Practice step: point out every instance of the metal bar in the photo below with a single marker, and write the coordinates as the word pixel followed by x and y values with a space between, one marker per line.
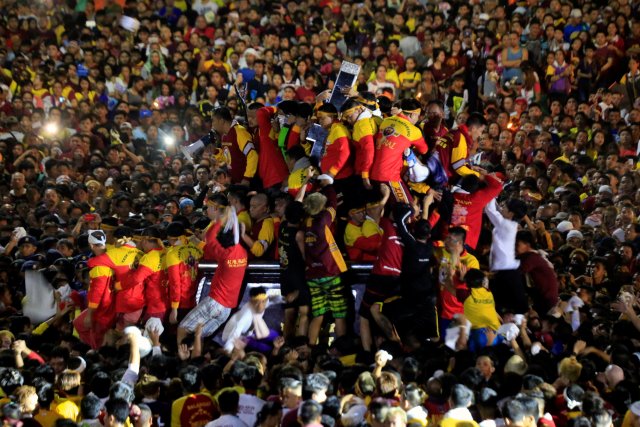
pixel 274 266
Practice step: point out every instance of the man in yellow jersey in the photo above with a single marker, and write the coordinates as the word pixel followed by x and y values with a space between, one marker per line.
pixel 361 119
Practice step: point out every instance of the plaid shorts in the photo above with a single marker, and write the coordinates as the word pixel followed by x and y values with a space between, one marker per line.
pixel 210 313
pixel 327 294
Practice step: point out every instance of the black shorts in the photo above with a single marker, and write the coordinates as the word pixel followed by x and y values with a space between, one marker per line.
pixel 290 283
pixel 378 290
pixel 420 321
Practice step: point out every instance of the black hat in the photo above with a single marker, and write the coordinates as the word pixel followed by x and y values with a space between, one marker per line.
pixel 109 223
pixel 152 233
pixel 175 229
pixel 52 256
pixel 123 231
pixel 288 107
pixel 27 240
pixel 201 223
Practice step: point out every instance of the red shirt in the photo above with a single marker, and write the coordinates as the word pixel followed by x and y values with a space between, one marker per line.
pixel 395 135
pixel 336 159
pixel 322 255
pixel 271 166
pixel 152 275
pixel 100 294
pixel 227 281
pixel 182 270
pixel 468 208
pixel 239 153
pixel 543 277
pixel 389 262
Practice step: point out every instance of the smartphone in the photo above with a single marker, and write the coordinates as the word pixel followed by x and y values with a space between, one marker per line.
pixel 89 217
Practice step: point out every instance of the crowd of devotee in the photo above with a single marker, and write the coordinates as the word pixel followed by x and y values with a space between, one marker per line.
pixel 448 193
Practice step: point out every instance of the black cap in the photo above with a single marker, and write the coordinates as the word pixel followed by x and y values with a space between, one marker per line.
pixel 123 231
pixel 52 256
pixel 27 240
pixel 152 233
pixel 288 107
pixel 201 223
pixel 109 222
pixel 175 229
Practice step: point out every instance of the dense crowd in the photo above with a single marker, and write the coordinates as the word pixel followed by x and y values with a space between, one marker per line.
pixel 484 165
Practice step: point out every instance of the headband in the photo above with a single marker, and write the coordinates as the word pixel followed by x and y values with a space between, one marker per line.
pixel 355 210
pixel 366 102
pixel 259 297
pixel 210 202
pixel 350 110
pixel 97 237
pixel 416 111
pixel 107 227
pixel 325 114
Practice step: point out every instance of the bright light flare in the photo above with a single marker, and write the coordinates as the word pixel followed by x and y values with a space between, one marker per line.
pixel 51 128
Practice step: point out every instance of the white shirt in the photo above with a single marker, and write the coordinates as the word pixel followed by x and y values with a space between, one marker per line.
pixel 503 249
pixel 248 408
pixel 227 421
pixel 239 324
pixel 461 414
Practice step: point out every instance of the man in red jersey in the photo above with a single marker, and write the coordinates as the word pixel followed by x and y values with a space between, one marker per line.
pixel 93 323
pixel 396 134
pixel 181 263
pixel 151 274
pixel 237 146
pixel 225 249
pixel 453 149
pixel 364 129
pixel 272 168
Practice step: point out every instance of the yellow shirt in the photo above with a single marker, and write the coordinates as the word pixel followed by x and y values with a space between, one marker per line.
pixel 392 76
pixel 409 76
pixel 245 218
pixel 46 418
pixel 480 309
pixel 65 408
pixel 370 228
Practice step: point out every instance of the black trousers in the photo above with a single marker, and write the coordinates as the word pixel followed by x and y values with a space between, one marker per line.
pixel 509 291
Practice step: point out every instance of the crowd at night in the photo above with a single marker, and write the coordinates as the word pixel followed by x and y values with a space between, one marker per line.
pixel 451 191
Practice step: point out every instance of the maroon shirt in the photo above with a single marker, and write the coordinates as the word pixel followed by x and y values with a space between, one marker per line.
pixel 543 278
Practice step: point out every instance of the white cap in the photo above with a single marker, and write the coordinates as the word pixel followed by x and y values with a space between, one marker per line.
pixel 576 13
pixel 605 189
pixel 97 237
pixel 251 51
pixel 574 233
pixel 484 17
pixel 354 416
pixel 558 190
pixel 144 345
pixel 153 324
pixel 564 226
pixel 635 408
pixel 63 179
pixel 618 234
pixel 325 177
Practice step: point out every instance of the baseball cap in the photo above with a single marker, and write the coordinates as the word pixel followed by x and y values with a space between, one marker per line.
pixel 186 202
pixel 564 226
pixel 27 240
pixel 574 233
pixel 605 189
pixel 175 229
